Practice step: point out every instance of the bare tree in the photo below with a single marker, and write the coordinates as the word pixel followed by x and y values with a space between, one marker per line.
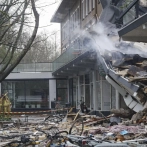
pixel 15 16
pixel 44 49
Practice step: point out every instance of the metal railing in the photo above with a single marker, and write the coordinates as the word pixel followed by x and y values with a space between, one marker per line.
pixel 130 12
pixel 33 67
pixel 66 57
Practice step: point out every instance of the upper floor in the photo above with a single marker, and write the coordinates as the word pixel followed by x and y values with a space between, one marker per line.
pixel 76 16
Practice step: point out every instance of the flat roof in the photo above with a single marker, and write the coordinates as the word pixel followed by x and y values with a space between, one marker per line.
pixel 63 10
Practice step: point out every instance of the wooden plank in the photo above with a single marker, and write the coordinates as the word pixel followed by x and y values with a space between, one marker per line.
pixel 4 143
pixel 131 79
pixel 76 115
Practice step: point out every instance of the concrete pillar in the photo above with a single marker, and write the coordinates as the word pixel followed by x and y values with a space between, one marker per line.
pixel 52 91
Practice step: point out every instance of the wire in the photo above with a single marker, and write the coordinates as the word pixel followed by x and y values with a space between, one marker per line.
pixel 47 5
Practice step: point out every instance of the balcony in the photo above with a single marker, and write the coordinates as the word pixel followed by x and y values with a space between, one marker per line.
pixel 66 57
pixel 72 61
pixel 33 67
pixel 135 31
pixel 134 23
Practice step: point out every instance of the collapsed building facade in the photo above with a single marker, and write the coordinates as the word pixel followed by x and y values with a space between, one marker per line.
pixel 103 70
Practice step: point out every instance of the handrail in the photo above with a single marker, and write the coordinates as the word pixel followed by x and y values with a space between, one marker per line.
pixel 126 10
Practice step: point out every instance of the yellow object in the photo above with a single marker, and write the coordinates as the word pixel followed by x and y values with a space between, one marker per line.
pixel 5 106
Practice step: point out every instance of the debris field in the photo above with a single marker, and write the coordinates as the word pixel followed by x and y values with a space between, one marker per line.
pixel 121 128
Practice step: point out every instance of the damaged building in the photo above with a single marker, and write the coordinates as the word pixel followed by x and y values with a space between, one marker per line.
pixel 101 68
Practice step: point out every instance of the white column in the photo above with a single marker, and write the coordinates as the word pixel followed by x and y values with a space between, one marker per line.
pixel 52 91
pixel 117 100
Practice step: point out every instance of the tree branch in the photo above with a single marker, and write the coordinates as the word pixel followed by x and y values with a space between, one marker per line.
pixel 27 47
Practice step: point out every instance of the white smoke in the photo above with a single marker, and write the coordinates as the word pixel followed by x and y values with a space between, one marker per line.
pixel 105 37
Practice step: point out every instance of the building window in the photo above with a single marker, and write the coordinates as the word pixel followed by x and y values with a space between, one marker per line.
pixel 90 6
pixel 87 90
pixel 65 30
pixel 81 79
pixel 93 4
pixel 83 9
pixel 78 15
pixel 113 98
pixel 74 20
pixel 71 23
pixel 98 89
pixel 97 75
pixel 87 79
pixel 62 94
pixel 27 94
pixel 106 95
pixel 61 83
pixel 86 7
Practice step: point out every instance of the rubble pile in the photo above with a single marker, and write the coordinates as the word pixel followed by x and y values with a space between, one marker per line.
pixel 133 67
pixel 75 129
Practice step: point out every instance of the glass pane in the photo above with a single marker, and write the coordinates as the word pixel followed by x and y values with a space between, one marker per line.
pixel 87 79
pixel 62 95
pixel 37 94
pixel 74 82
pixel 131 14
pixel 19 84
pixel 71 90
pixel 82 90
pixel 97 76
pixel 91 76
pixel 37 84
pixel 98 89
pixel 74 97
pixel 81 79
pixel 27 94
pixel 4 85
pixel 91 97
pixel 106 95
pixel 15 90
pixel 87 95
pixel 19 97
pixel 113 98
pixel 61 83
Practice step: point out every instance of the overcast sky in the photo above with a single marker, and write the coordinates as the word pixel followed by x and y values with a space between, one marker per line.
pixel 46 9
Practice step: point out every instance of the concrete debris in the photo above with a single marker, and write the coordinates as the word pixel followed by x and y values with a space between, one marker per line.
pixel 132 67
pixel 78 129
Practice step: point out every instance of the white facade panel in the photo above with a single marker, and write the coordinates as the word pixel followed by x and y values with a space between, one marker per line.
pixel 52 91
pixel 30 75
